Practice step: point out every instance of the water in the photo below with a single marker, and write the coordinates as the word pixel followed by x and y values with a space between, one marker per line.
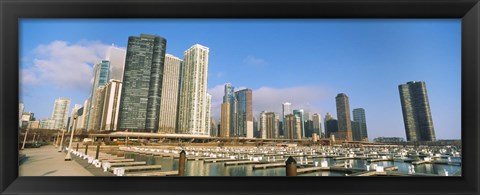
pixel 199 168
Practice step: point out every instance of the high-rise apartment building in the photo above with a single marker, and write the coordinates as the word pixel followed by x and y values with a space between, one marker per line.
pixel 328 117
pixel 263 125
pixel 96 111
pixel 301 115
pixel 170 94
pixel 111 105
pixel 416 111
pixel 60 113
pixel 292 127
pixel 272 120
pixel 142 83
pixel 193 96
pixel 343 117
pixel 244 113
pixel 360 124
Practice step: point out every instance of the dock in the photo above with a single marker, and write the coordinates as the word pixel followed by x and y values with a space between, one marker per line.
pixel 165 173
pixel 270 165
pixel 141 168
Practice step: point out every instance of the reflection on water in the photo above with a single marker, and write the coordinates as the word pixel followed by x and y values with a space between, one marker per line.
pixel 199 168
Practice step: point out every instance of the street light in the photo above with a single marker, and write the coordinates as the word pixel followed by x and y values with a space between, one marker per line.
pixel 68 157
pixel 61 141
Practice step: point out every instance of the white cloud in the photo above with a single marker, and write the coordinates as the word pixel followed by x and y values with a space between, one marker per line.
pixel 271 99
pixel 255 61
pixel 64 65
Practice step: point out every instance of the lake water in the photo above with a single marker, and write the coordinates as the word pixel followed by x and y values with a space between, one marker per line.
pixel 199 168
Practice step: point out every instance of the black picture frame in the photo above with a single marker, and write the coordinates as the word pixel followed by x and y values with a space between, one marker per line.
pixel 12 10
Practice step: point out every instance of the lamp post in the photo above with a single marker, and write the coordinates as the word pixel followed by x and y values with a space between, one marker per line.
pixel 24 139
pixel 56 140
pixel 68 157
pixel 61 141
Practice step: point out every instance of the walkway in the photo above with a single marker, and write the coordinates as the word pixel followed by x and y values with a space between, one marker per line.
pixel 47 161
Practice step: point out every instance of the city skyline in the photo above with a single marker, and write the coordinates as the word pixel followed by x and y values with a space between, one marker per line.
pixel 318 94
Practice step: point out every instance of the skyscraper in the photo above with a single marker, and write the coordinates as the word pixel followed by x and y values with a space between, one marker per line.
pixel 71 125
pixel 317 123
pixel 263 125
pixel 360 120
pixel 111 106
pixel 170 94
pixel 343 117
pixel 60 113
pixel 116 56
pixel 208 111
pixel 101 76
pixel 271 124
pixel 225 120
pixel 292 127
pixel 286 110
pixel 193 96
pixel 301 115
pixel 142 83
pixel 229 97
pixel 416 111
pixel 244 113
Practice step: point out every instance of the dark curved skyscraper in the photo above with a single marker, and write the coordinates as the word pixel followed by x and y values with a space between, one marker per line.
pixel 416 111
pixel 142 83
pixel 343 117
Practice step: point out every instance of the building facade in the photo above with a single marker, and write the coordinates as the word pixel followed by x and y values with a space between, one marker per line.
pixel 193 96
pixel 301 115
pixel 286 110
pixel 142 84
pixel 272 124
pixel 292 127
pixel 263 125
pixel 244 113
pixel 111 105
pixel 116 57
pixel 60 113
pixel 101 75
pixel 343 117
pixel 170 94
pixel 416 111
pixel 317 123
pixel 360 124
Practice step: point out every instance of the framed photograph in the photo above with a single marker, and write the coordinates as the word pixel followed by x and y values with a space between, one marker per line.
pixel 248 97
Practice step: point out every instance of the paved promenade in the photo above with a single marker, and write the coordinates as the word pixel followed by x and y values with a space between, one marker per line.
pixel 47 161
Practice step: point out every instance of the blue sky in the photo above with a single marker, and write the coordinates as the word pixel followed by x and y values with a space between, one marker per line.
pixel 306 62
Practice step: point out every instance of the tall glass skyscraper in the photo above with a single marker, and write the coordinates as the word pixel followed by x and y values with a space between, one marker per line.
pixel 193 96
pixel 300 114
pixel 360 123
pixel 142 83
pixel 244 115
pixel 343 117
pixel 416 111
pixel 101 75
pixel 230 99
